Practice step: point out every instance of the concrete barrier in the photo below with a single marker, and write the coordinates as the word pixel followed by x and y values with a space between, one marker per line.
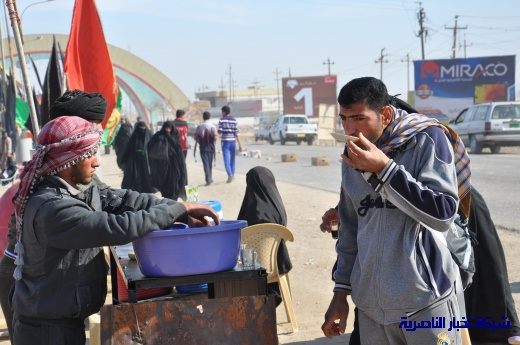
pixel 289 157
pixel 320 161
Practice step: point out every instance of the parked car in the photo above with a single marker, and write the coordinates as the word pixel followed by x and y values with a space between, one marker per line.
pixel 490 125
pixel 293 128
pixel 262 124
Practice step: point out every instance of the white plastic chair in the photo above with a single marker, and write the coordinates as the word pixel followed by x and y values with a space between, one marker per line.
pixel 265 239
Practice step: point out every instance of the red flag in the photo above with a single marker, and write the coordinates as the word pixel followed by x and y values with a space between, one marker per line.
pixel 87 62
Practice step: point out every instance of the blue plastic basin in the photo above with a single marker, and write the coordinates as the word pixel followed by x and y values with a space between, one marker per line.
pixel 183 251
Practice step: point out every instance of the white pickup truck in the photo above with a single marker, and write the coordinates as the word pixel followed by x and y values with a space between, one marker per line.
pixel 291 127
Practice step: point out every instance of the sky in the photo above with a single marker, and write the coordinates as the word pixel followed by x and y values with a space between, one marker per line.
pixel 194 42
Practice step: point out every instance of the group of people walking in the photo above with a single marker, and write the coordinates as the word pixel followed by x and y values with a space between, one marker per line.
pixel 152 162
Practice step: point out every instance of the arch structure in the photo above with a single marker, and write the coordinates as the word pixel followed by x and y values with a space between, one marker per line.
pixel 152 93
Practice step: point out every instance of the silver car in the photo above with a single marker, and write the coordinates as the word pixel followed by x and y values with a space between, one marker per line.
pixel 490 125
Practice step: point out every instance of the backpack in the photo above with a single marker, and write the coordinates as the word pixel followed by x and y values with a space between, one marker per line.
pixel 460 240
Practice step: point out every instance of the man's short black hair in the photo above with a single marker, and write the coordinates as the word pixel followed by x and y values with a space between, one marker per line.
pixel 179 113
pixel 226 109
pixel 367 90
pixel 206 115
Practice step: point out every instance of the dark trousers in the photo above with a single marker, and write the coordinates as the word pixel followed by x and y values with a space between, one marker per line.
pixel 6 284
pixel 40 332
pixel 207 162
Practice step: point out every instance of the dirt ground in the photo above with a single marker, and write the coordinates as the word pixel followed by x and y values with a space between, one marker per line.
pixel 312 251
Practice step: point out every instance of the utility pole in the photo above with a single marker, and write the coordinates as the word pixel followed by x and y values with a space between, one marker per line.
pixel 277 74
pixel 290 72
pixel 380 61
pixel 328 63
pixel 455 28
pixel 255 88
pixel 407 60
pixel 423 32
pixel 465 45
pixel 230 74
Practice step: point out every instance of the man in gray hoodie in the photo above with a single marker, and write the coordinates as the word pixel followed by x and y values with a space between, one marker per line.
pixel 401 193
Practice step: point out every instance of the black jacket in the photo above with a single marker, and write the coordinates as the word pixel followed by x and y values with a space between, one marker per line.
pixel 64 274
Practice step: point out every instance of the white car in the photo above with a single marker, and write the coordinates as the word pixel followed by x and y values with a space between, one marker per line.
pixel 291 127
pixel 490 125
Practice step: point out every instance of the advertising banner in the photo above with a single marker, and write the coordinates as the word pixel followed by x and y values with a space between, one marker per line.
pixel 450 85
pixel 303 95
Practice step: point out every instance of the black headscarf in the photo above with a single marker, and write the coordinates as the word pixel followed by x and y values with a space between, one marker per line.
pixel 89 106
pixel 167 163
pixel 136 166
pixel 263 204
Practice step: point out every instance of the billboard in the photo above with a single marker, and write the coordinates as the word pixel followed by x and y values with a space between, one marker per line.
pixel 450 85
pixel 303 95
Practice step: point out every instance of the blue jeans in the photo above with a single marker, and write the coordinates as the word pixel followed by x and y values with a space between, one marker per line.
pixel 228 151
pixel 207 161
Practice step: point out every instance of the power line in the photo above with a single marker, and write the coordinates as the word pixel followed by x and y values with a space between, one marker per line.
pixel 455 28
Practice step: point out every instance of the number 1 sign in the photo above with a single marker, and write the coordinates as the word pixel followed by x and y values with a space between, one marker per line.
pixel 303 95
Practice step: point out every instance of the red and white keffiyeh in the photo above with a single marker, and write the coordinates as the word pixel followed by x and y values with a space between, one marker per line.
pixel 63 142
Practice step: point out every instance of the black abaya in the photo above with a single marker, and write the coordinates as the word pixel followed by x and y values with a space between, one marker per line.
pixel 121 142
pixel 263 204
pixel 167 163
pixel 490 294
pixel 136 167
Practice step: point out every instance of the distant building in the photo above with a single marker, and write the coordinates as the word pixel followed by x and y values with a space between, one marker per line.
pixel 245 102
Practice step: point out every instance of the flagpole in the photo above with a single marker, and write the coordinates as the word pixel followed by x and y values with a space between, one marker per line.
pixel 21 55
pixel 4 74
pixel 10 46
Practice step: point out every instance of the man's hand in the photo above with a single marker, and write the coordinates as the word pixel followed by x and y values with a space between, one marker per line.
pixel 197 212
pixel 328 216
pixel 370 159
pixel 338 310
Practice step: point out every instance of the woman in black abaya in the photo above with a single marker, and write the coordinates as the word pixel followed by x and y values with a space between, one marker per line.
pixel 136 168
pixel 263 204
pixel 167 163
pixel 121 141
pixel 489 295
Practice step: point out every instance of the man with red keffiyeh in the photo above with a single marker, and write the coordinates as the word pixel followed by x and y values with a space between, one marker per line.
pixel 62 221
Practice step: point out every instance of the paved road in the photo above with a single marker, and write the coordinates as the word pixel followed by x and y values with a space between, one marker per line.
pixel 497 177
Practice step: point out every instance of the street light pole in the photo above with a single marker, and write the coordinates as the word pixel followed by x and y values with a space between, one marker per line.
pixel 30 5
pixel 21 55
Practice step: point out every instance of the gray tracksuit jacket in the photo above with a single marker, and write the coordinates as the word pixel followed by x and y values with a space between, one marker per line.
pixel 392 253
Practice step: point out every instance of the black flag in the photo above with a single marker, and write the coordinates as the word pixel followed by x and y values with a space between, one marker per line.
pixel 52 84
